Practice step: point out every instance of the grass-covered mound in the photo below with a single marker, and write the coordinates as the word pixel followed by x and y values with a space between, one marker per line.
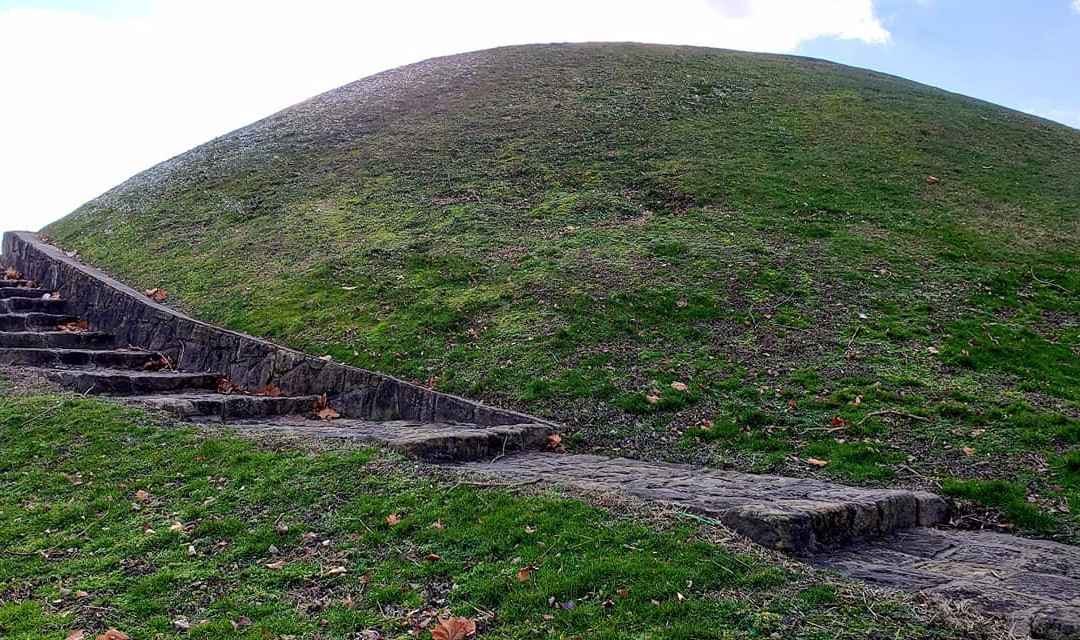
pixel 188 536
pixel 571 229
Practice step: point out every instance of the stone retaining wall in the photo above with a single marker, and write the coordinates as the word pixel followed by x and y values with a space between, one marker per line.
pixel 112 307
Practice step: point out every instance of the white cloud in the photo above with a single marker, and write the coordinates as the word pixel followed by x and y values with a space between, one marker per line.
pixel 89 101
pixel 1076 6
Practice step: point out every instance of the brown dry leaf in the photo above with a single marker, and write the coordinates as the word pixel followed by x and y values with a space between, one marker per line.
pixel 158 364
pixel 453 629
pixel 978 432
pixel 932 180
pixel 81 594
pixel 336 571
pixel 932 351
pixel 280 564
pixel 816 462
pixel 438 525
pixel 159 295
pixel 113 634
pixel 837 421
pixel 529 530
pixel 79 326
pixel 622 592
pixel 679 386
pixel 555 443
pixel 969 451
pixel 432 557
pixel 225 386
pixel 142 496
pixel 652 399
pixel 269 390
pixel 327 414
pixel 282 527
pixel 523 574
pixel 393 519
pixel 12 274
pixel 76 634
pixel 191 550
pixel 176 526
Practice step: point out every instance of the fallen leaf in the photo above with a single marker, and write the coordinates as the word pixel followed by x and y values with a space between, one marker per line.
pixel 269 390
pixel 932 180
pixel 12 274
pixel 523 574
pixel 969 451
pixel 453 629
pixel 243 621
pixel 393 519
pixel 529 530
pixel 622 592
pixel 838 421
pixel 327 414
pixel 555 443
pixel 280 564
pixel 678 386
pixel 652 399
pixel 79 326
pixel 76 634
pixel 176 526
pixel 142 496
pixel 158 295
pixel 336 571
pixel 432 557
pixel 181 624
pixel 81 594
pixel 438 525
pixel 191 550
pixel 932 351
pixel 113 634
pixel 978 432
pixel 282 527
pixel 816 462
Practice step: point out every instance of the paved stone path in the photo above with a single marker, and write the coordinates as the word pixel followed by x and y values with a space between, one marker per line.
pixel 879 536
pixel 1033 586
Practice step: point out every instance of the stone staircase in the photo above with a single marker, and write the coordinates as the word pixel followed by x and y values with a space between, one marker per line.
pixel 38 331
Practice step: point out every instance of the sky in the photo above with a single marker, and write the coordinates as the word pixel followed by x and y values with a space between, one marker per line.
pixel 94 91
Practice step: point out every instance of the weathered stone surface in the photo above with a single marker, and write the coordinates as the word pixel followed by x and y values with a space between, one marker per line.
pixel 21 292
pixel 25 304
pixel 55 340
pixel 51 357
pixel 790 514
pixel 15 284
pixel 435 442
pixel 121 382
pixel 1032 585
pixel 207 405
pixel 112 307
pixel 33 321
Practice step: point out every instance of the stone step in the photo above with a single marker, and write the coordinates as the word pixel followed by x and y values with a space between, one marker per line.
pixel 12 292
pixel 40 305
pixel 31 321
pixel 11 284
pixel 211 405
pixel 75 358
pixel 55 340
pixel 434 442
pixel 796 515
pixel 121 382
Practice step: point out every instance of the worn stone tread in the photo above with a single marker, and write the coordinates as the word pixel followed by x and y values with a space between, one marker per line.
pixel 33 320
pixel 49 357
pixel 124 382
pixel 790 514
pixel 12 284
pixel 27 303
pixel 55 340
pixel 426 441
pixel 210 405
pixel 22 292
pixel 1032 585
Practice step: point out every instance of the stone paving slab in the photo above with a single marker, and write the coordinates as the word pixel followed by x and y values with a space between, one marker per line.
pixel 128 382
pixel 1032 585
pixel 205 405
pixel 790 514
pixel 436 442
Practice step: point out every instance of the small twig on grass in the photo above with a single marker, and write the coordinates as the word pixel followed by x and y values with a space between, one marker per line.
pixel 893 412
pixel 852 341
pixel 711 523
pixel 1047 282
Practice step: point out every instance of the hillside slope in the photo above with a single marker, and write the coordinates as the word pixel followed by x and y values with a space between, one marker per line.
pixel 570 229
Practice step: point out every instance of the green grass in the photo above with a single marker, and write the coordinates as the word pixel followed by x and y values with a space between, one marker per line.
pixel 567 230
pixel 81 547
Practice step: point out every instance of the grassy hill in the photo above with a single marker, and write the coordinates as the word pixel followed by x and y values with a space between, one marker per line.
pixel 572 229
